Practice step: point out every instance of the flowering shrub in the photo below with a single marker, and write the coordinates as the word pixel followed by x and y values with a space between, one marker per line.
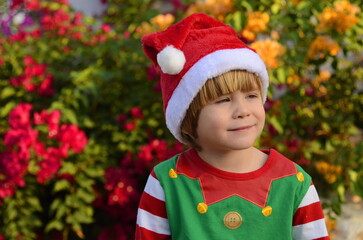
pixel 81 117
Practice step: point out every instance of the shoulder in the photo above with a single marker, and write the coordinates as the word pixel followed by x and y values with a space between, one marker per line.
pixel 280 161
pixel 166 165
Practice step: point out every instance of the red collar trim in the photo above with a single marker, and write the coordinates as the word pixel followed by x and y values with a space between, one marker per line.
pixel 217 185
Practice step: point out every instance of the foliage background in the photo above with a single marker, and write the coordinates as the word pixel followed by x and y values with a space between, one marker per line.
pixel 81 121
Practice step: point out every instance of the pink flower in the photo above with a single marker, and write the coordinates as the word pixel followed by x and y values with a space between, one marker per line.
pixel 6 189
pixel 52 119
pixel 15 4
pixel 136 112
pixel 45 87
pixel 29 61
pixel 23 139
pixel 70 135
pixel 19 37
pixel 23 80
pixel 152 73
pixel 106 28
pixel 37 70
pixel 121 118
pixel 20 116
pixel 40 149
pixel 49 166
pixel 145 153
pixel 121 186
pixel 129 126
pixel 12 169
pixel 32 5
pixel 40 118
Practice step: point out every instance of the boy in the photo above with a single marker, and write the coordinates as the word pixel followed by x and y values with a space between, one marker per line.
pixel 213 89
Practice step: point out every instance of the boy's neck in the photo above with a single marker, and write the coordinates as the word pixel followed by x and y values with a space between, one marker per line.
pixel 238 161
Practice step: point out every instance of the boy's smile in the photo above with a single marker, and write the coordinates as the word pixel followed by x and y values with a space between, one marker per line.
pixel 231 122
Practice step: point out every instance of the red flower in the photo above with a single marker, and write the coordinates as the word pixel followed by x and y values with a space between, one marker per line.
pixel 20 116
pixel 45 87
pixel 36 70
pixel 49 166
pixel 106 28
pixel 1 61
pixel 121 186
pixel 130 126
pixel 32 5
pixel 116 232
pixel 121 118
pixel 19 37
pixel 71 136
pixel 53 120
pixel 29 61
pixel 145 154
pixel 15 4
pixel 136 112
pixel 12 170
pixel 23 139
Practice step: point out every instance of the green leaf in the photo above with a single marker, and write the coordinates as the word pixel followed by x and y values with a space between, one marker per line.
pixel 4 111
pixel 54 224
pixel 69 168
pixel 341 192
pixel 353 175
pixel 7 92
pixel 70 115
pixel 276 124
pixel 86 196
pixel 61 185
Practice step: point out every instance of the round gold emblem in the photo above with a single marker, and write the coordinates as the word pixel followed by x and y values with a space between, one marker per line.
pixel 300 176
pixel 172 173
pixel 202 208
pixel 232 220
pixel 267 211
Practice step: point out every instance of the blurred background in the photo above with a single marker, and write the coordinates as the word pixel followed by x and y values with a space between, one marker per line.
pixel 81 118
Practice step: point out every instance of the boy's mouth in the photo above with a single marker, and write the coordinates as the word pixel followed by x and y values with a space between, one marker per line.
pixel 241 128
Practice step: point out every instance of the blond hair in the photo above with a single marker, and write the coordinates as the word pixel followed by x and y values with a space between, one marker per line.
pixel 215 87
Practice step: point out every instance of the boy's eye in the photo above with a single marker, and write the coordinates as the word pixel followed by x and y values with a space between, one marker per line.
pixel 222 100
pixel 252 95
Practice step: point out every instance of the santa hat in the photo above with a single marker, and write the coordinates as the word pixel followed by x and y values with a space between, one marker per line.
pixel 189 53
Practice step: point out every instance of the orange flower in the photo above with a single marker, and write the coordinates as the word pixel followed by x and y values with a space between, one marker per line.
pixel 215 8
pixel 341 17
pixel 329 171
pixel 158 23
pixel 269 50
pixel 321 45
pixel 256 22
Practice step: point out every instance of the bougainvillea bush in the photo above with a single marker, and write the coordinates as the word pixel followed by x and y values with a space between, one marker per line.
pixel 81 120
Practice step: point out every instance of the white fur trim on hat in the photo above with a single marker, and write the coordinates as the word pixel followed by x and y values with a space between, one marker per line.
pixel 171 60
pixel 210 66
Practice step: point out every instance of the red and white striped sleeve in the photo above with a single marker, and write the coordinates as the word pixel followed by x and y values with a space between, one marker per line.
pixel 309 222
pixel 152 222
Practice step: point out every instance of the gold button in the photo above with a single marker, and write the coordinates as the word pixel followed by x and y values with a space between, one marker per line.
pixel 172 173
pixel 232 220
pixel 202 208
pixel 300 176
pixel 267 211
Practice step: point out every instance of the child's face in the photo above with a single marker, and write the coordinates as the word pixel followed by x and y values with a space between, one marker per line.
pixel 231 122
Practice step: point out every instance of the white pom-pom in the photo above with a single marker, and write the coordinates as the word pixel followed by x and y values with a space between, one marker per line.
pixel 171 60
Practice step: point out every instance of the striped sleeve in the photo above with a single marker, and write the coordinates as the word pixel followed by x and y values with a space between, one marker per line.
pixel 152 222
pixel 309 222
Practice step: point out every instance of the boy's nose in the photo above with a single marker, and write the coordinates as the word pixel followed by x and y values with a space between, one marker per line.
pixel 241 109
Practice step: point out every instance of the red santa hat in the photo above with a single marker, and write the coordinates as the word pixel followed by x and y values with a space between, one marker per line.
pixel 189 53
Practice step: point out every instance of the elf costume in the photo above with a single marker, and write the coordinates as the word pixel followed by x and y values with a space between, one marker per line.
pixel 185 197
